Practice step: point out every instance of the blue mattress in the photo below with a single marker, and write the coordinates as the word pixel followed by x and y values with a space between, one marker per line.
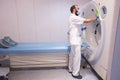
pixel 39 47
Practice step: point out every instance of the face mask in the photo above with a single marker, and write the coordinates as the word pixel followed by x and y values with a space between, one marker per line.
pixel 78 12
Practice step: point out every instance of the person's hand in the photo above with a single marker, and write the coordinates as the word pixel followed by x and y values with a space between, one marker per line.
pixel 97 17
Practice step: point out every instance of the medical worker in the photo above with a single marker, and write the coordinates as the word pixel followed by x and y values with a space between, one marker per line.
pixel 75 23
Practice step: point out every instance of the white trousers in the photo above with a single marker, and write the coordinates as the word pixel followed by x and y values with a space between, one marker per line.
pixel 75 59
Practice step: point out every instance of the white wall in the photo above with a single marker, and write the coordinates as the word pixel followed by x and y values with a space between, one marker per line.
pixel 35 20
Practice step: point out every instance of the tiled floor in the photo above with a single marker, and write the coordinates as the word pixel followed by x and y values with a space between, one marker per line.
pixel 49 74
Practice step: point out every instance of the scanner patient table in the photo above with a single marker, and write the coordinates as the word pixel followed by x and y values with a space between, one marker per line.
pixel 39 54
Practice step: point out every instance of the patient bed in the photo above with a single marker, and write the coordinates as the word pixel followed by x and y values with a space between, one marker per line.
pixel 40 54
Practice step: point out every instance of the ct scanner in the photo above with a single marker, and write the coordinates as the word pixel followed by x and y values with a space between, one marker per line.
pixel 95 31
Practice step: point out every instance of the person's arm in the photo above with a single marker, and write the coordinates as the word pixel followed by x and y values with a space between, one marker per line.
pixel 89 20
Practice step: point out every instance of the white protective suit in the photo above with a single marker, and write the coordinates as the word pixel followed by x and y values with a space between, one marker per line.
pixel 75 24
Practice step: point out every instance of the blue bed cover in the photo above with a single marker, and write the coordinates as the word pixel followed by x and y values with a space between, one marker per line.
pixel 38 47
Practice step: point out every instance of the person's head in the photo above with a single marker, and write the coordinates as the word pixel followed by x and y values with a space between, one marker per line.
pixel 75 9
